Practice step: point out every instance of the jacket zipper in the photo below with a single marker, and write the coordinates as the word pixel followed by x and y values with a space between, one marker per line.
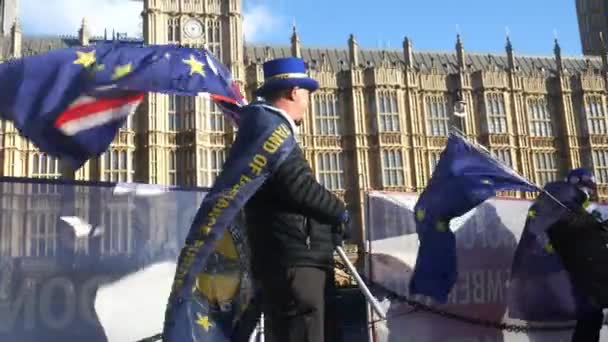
pixel 306 232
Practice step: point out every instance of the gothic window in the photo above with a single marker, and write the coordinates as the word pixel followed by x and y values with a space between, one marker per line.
pixel 210 165
pixel 217 161
pixel 172 168
pixel 115 237
pixel 595 113
pixel 203 166
pixel 42 234
pixel 325 111
pixel 503 155
pixel 496 113
pixel 152 103
pixel 173 120
pixel 45 166
pixel 539 117
pixel 216 118
pixel 434 160
pixel 388 111
pixel 153 166
pixel 173 28
pixel 190 168
pixel 545 166
pixel 116 167
pixel 330 171
pixel 600 165
pixel 187 112
pixel 437 115
pixel 214 37
pixel 392 167
pixel 6 230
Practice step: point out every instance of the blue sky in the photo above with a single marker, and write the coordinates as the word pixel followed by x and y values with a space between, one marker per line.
pixel 431 24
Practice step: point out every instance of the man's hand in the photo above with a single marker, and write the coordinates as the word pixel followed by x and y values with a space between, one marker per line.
pixel 340 232
pixel 597 215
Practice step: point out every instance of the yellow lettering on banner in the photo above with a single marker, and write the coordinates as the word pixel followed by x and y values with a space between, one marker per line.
pixel 216 211
pixel 258 163
pixel 222 203
pixel 276 139
pixel 272 144
pixel 188 259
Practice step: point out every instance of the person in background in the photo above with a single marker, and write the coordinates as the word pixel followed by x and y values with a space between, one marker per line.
pixel 574 237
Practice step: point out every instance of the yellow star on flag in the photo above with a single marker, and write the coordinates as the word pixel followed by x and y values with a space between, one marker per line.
pixel 122 70
pixel 205 230
pixel 203 321
pixel 532 213
pixel 85 59
pixel 486 181
pixel 420 214
pixel 441 226
pixel 196 66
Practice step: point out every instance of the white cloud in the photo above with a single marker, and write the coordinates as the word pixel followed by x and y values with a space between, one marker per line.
pixel 259 21
pixel 53 17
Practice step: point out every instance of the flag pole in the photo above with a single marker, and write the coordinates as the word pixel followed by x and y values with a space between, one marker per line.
pixel 362 286
pixel 475 144
pixel 460 112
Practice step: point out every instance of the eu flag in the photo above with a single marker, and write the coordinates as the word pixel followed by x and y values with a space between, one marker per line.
pixel 71 102
pixel 464 177
pixel 540 288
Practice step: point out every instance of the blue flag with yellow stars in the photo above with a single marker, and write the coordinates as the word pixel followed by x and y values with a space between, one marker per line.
pixel 204 279
pixel 540 289
pixel 71 102
pixel 464 177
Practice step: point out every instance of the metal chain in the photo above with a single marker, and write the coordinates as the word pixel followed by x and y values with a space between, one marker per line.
pixel 417 306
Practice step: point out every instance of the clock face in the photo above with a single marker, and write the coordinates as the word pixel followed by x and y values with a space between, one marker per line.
pixel 193 28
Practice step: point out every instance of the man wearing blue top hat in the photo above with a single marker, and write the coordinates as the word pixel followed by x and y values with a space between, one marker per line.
pixel 293 222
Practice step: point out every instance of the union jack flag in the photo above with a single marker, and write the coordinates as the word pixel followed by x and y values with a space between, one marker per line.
pixel 88 112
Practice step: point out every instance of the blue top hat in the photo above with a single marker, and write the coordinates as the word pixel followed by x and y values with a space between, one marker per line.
pixel 581 177
pixel 282 73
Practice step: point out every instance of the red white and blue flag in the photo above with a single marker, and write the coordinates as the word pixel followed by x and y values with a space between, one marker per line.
pixel 71 102
pixel 88 112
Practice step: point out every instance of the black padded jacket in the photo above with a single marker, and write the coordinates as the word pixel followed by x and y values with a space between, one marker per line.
pixel 289 219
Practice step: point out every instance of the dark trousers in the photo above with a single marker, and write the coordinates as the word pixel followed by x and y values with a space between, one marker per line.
pixel 588 327
pixel 293 302
pixel 248 321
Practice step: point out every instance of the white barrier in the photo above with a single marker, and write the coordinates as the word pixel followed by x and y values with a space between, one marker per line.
pixel 486 239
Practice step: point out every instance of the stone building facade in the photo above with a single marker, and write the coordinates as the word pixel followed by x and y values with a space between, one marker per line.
pixel 379 121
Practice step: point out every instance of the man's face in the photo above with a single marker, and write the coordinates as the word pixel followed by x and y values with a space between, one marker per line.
pixel 300 98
